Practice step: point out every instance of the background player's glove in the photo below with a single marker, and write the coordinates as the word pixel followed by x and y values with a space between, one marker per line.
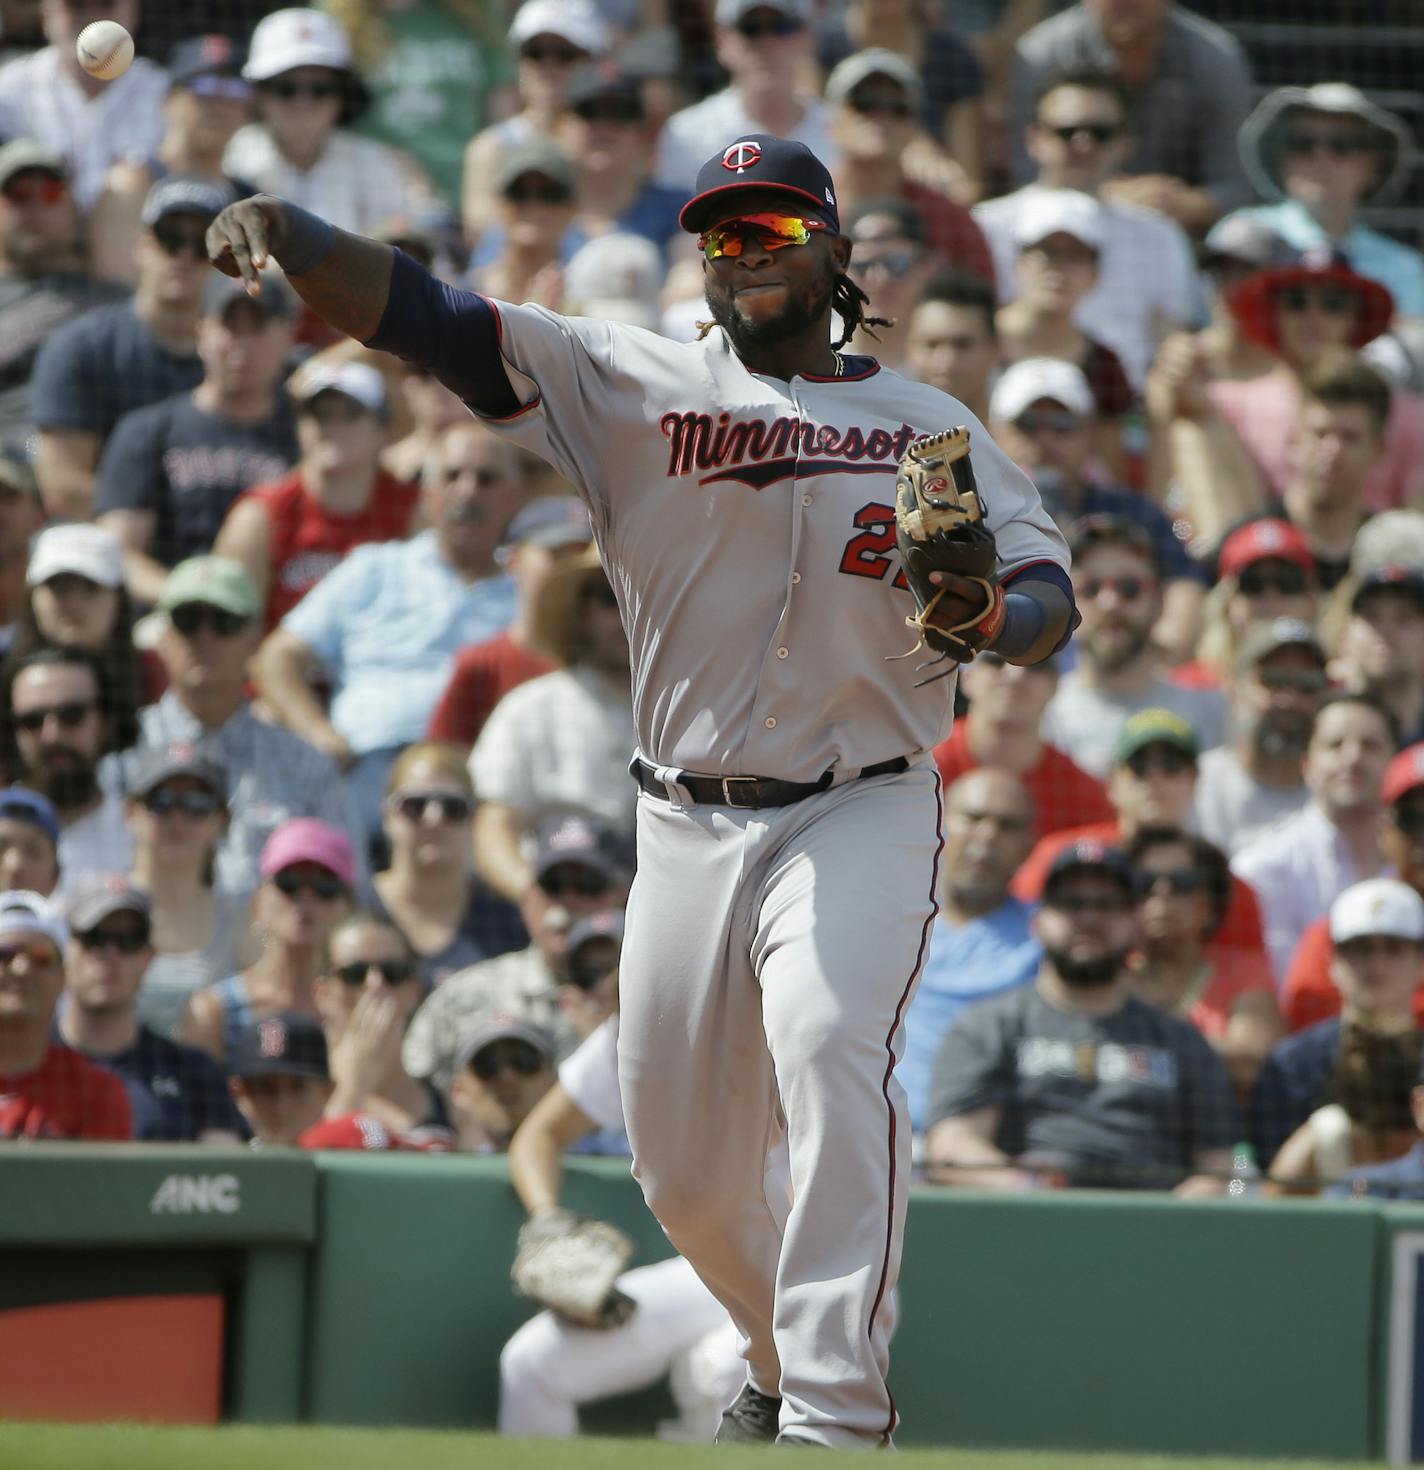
pixel 568 1263
pixel 939 523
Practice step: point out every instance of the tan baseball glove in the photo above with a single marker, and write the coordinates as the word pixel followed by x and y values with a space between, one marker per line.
pixel 940 527
pixel 568 1263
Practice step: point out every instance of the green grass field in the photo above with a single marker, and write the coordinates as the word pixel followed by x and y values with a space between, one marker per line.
pixel 53 1447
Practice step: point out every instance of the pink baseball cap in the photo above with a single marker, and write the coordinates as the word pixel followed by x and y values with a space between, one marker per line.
pixel 1405 773
pixel 307 840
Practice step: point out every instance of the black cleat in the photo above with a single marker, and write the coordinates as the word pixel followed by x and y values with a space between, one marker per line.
pixel 752 1419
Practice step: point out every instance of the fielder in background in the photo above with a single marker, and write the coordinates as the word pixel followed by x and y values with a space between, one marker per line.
pixel 743 494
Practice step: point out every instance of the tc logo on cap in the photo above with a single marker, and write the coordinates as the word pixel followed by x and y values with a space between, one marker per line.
pixel 741 156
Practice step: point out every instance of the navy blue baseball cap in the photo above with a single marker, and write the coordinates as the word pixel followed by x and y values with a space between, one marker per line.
pixel 759 161
pixel 1089 856
pixel 29 806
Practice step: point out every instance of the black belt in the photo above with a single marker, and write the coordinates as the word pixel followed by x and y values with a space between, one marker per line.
pixel 749 791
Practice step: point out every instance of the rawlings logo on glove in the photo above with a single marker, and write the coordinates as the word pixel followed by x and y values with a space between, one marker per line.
pixel 568 1263
pixel 939 525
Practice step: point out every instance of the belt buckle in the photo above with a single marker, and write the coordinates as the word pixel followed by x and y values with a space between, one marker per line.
pixel 730 800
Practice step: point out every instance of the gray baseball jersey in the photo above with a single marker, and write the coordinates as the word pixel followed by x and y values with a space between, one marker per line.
pixel 747 525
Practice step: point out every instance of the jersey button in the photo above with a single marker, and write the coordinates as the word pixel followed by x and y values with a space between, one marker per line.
pixel 770 722
pixel 805 500
pixel 795 578
pixel 782 652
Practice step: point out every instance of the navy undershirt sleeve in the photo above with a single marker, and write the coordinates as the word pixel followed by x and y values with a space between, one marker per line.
pixel 1052 573
pixel 453 333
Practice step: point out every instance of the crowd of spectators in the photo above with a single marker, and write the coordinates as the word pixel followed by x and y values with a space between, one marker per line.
pixel 315 705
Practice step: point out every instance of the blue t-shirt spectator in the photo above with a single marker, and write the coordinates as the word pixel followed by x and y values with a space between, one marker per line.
pixel 102 365
pixel 178 1093
pixel 1289 1087
pixel 387 623
pixel 966 963
pixel 187 466
pixel 1401 1178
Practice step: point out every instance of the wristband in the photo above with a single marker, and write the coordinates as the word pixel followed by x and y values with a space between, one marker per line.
pixel 1024 617
pixel 307 241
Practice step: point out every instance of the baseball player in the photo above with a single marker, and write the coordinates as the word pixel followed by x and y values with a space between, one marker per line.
pixel 744 495
pixel 594 1341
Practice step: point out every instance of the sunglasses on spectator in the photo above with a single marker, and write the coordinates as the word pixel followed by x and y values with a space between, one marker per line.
pixel 1328 299
pixel 585 976
pixel 1098 133
pixel 1301 681
pixel 883 106
pixel 68 716
pixel 599 594
pixel 122 941
pixel 1087 903
pixel 895 263
pixel 1159 761
pixel 770 231
pixel 532 191
pixel 289 91
pixel 611 110
pixel 393 972
pixel 1287 580
pixel 575 879
pixel 175 240
pixel 1340 144
pixel 1047 421
pixel 230 89
pixel 1126 589
pixel 189 617
pixel 1408 815
pixel 30 186
pixel 36 951
pixel 500 1056
pixel 449 808
pixel 191 803
pixel 758 28
pixel 550 51
pixel 1179 881
pixel 326 886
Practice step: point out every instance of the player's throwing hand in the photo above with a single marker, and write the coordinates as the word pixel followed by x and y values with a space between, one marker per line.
pixel 243 238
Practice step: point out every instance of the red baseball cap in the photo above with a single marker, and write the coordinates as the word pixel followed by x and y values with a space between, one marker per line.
pixel 1403 774
pixel 1253 302
pixel 1269 537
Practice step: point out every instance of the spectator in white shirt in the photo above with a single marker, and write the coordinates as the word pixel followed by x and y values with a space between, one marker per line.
pixel 1252 783
pixel 1117 581
pixel 92 123
pixel 303 148
pixel 1147 281
pixel 58 725
pixel 1300 866
pixel 765 45
pixel 559 743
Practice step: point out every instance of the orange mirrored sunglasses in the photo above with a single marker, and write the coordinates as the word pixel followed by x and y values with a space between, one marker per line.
pixel 772 232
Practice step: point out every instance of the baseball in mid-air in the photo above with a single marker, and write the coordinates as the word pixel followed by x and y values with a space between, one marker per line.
pixel 106 50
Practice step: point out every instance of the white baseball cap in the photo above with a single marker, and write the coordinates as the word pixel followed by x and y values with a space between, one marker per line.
pixel 23 912
pixel 617 277
pixel 298 37
pixel 577 21
pixel 358 380
pixel 1041 377
pixel 1059 212
pixel 1382 906
pixel 81 550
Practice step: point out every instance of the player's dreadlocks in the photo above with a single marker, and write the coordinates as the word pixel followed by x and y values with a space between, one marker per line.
pixel 848 301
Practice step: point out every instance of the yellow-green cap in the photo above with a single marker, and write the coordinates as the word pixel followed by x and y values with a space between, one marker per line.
pixel 1155 727
pixel 217 581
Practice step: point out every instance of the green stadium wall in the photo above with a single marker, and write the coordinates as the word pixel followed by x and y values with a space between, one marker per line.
pixel 374 1289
